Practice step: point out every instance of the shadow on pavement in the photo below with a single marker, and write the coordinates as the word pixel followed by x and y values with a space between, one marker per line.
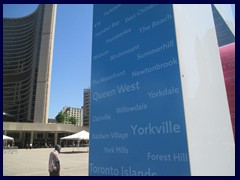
pixel 73 152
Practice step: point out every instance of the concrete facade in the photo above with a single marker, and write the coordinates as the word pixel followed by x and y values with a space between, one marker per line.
pixel 45 64
pixel 74 112
pixel 27 63
pixel 39 134
pixel 86 107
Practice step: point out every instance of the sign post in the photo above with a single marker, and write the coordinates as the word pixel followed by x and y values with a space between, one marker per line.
pixel 137 123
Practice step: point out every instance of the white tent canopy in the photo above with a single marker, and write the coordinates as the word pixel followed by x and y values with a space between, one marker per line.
pixel 8 138
pixel 82 135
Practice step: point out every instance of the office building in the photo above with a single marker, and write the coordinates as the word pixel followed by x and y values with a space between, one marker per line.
pixel 27 63
pixel 86 107
pixel 74 112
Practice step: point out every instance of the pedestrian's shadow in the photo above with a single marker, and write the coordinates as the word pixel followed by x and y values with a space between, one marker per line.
pixel 74 152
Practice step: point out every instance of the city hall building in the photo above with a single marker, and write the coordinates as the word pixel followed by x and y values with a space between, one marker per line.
pixel 27 63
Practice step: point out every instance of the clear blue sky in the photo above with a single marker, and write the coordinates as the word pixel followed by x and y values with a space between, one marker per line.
pixel 72 52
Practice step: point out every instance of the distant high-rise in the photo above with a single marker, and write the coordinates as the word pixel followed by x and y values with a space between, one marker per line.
pixel 27 63
pixel 74 112
pixel 86 107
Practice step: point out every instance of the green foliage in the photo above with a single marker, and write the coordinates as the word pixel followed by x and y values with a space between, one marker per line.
pixel 64 118
pixel 60 117
pixel 72 120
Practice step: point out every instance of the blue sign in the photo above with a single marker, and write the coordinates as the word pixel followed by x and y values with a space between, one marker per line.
pixel 137 123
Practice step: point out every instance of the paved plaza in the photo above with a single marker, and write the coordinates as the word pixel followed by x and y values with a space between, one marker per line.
pixel 34 162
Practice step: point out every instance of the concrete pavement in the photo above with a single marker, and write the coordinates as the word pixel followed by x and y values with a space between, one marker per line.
pixel 34 162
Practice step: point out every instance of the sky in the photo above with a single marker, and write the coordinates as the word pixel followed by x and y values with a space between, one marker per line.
pixel 71 64
pixel 233 9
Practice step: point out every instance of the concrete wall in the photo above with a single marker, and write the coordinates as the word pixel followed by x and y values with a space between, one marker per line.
pixel 45 65
pixel 40 127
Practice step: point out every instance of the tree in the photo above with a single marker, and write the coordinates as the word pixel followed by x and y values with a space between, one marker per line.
pixel 72 120
pixel 64 118
pixel 60 118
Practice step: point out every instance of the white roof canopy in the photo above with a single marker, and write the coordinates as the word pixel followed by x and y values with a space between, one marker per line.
pixel 7 138
pixel 82 135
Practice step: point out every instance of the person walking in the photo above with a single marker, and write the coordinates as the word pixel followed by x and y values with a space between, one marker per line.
pixel 54 162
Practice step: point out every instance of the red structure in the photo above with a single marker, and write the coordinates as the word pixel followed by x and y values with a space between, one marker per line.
pixel 227 54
